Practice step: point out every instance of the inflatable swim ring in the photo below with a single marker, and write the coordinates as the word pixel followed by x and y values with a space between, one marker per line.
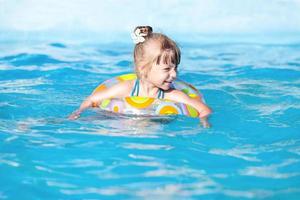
pixel 137 105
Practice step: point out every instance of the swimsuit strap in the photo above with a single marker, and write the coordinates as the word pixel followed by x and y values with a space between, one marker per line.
pixel 161 94
pixel 136 88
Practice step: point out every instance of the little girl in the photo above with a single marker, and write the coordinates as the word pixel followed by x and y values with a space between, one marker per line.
pixel 156 58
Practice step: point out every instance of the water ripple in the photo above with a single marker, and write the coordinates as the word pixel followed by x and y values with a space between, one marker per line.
pixel 25 59
pixel 271 171
pixel 146 146
pixel 58 45
pixel 9 159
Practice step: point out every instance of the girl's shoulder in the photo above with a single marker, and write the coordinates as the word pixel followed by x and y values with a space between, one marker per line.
pixel 124 88
pixel 126 84
pixel 117 90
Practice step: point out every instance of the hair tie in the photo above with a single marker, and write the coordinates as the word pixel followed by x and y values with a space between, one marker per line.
pixel 140 33
pixel 137 36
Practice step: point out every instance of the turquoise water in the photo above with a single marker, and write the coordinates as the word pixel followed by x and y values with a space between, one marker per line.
pixel 251 152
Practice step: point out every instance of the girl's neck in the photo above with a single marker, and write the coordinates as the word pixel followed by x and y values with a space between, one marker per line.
pixel 147 88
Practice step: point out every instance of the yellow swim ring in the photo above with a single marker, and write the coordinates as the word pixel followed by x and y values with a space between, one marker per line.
pixel 145 105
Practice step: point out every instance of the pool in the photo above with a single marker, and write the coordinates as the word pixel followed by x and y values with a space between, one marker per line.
pixel 251 152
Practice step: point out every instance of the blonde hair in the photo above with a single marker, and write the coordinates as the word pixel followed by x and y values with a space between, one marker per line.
pixel 166 51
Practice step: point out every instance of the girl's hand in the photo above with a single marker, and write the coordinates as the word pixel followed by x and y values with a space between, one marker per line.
pixel 204 122
pixel 75 115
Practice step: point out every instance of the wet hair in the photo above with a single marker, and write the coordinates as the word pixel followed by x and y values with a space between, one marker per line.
pixel 164 51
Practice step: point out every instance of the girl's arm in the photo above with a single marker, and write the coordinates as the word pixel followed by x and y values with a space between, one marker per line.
pixel 84 105
pixel 119 90
pixel 202 108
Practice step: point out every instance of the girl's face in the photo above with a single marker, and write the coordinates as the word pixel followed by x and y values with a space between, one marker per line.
pixel 162 75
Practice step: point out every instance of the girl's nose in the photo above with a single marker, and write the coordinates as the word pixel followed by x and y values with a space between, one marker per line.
pixel 174 74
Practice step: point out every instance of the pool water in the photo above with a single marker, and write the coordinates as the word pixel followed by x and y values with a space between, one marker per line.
pixel 252 150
